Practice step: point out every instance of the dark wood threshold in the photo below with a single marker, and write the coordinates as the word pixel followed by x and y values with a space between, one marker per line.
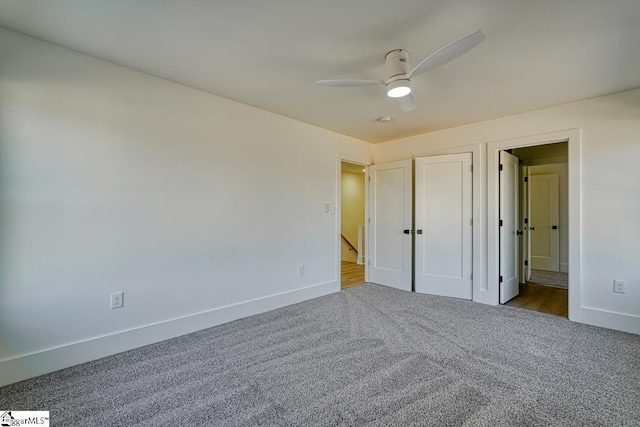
pixel 545 299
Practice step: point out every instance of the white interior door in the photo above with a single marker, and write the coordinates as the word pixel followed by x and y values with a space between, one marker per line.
pixel 545 239
pixel 390 214
pixel 509 248
pixel 443 240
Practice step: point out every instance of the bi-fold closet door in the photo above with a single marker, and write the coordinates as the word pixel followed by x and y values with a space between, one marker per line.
pixel 442 232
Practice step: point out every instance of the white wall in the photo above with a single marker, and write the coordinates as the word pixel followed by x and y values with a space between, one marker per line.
pixel 609 190
pixel 114 180
pixel 352 212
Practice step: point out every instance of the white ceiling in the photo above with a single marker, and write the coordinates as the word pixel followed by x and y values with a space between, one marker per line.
pixel 269 53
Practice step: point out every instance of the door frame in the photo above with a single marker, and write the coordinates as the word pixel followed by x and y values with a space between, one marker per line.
pixel 573 137
pixel 364 162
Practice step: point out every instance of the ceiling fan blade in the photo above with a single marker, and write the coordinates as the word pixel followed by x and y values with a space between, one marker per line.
pixel 449 52
pixel 348 83
pixel 408 102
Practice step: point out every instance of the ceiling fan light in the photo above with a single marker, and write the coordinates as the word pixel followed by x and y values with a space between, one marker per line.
pixel 398 89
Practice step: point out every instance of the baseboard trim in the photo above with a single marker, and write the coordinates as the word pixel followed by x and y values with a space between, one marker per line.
pixel 42 362
pixel 607 319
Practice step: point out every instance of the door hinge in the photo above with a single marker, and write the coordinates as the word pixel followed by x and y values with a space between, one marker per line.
pixel 472 222
pixel 526 262
pixel 500 168
pixel 526 220
pixel 369 220
pixel 500 223
pixel 369 178
pixel 471 168
pixel 518 233
pixel 368 262
pixel 526 179
pixel 500 279
pixel 471 276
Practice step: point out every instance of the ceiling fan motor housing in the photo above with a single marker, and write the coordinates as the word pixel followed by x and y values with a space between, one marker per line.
pixel 397 63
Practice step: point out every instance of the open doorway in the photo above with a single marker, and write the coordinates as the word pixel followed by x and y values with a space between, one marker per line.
pixel 541 234
pixel 352 225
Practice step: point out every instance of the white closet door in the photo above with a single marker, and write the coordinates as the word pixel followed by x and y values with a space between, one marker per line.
pixel 444 257
pixel 390 213
pixel 545 239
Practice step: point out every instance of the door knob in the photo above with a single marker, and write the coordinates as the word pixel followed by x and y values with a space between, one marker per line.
pixel 407 231
pixel 419 231
pixel 554 227
pixel 532 228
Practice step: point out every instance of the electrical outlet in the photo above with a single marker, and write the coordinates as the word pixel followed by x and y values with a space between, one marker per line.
pixel 117 300
pixel 620 286
pixel 301 270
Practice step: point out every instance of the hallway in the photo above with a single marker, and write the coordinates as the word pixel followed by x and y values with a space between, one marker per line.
pixel 544 299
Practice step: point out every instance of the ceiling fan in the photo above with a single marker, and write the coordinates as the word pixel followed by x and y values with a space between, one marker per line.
pixel 399 75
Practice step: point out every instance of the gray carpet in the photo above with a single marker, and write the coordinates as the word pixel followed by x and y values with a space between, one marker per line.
pixel 549 278
pixel 366 356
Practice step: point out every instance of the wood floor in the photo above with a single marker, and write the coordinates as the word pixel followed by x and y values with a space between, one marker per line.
pixel 545 299
pixel 352 275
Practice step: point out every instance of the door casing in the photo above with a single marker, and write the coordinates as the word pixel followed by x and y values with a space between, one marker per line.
pixel 365 162
pixel 573 137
